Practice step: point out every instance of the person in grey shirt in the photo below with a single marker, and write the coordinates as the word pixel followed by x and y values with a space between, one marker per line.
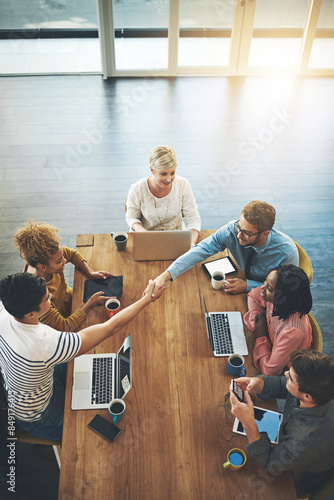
pixel 254 243
pixel 306 437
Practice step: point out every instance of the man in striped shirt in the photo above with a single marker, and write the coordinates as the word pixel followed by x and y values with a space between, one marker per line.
pixel 34 356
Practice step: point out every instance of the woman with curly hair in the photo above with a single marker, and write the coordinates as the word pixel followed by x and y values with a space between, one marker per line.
pixel 39 244
pixel 277 314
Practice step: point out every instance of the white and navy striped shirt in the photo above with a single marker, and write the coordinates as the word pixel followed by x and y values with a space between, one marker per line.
pixel 28 354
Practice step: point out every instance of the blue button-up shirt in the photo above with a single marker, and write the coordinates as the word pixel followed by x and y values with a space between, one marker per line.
pixel 278 249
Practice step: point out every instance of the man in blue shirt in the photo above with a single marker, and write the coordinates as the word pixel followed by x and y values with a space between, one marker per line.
pixel 255 245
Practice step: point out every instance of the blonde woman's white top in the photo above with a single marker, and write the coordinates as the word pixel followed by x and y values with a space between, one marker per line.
pixel 157 214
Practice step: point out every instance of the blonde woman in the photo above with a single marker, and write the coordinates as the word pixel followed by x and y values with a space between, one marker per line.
pixel 160 201
pixel 39 245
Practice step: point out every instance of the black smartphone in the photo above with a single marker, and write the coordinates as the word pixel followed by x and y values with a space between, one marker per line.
pixel 104 428
pixel 238 391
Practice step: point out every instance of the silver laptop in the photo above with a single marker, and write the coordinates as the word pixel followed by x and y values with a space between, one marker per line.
pixel 160 245
pixel 99 378
pixel 226 332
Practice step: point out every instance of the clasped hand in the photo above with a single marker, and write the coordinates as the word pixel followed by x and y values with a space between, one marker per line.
pixel 148 292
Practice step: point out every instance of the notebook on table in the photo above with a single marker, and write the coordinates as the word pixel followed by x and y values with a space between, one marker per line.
pixel 160 245
pixel 99 378
pixel 226 332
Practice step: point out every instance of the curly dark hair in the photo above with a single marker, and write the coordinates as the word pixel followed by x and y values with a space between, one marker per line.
pixel 292 292
pixel 37 242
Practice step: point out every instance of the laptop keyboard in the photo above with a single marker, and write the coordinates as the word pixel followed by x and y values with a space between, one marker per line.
pixel 221 333
pixel 102 381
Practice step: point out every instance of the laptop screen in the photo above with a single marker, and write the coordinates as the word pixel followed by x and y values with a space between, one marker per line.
pixel 123 369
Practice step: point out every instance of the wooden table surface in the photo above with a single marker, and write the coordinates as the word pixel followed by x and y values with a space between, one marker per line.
pixel 175 435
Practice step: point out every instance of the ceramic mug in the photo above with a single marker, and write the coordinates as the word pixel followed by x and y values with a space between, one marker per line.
pixel 117 409
pixel 113 306
pixel 235 365
pixel 120 239
pixel 218 280
pixel 236 459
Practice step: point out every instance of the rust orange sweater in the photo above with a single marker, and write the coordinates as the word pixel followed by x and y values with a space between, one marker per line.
pixel 58 316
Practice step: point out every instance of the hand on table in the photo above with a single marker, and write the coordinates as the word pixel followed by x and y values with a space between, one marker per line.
pixel 94 275
pixel 97 299
pixel 235 285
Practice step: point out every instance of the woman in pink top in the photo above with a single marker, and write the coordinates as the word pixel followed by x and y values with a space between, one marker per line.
pixel 277 314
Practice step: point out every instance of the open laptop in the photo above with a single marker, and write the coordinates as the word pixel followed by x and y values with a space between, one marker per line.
pixel 160 245
pixel 99 378
pixel 226 332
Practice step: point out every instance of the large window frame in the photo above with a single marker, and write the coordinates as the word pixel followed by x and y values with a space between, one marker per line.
pixel 241 36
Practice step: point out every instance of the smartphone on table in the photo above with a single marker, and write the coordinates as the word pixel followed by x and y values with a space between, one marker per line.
pixel 104 428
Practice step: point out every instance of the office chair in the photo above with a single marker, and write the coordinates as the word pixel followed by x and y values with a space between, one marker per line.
pixel 304 261
pixel 323 491
pixel 316 334
pixel 26 437
pixel 20 434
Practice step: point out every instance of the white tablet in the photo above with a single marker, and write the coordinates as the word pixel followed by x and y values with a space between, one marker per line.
pixel 267 421
pixel 224 264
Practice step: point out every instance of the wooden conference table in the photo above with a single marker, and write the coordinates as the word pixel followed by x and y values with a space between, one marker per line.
pixel 175 435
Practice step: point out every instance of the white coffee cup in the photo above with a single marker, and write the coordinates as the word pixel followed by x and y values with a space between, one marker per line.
pixel 217 280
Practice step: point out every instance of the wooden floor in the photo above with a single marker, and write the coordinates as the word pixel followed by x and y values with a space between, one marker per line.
pixel 70 147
